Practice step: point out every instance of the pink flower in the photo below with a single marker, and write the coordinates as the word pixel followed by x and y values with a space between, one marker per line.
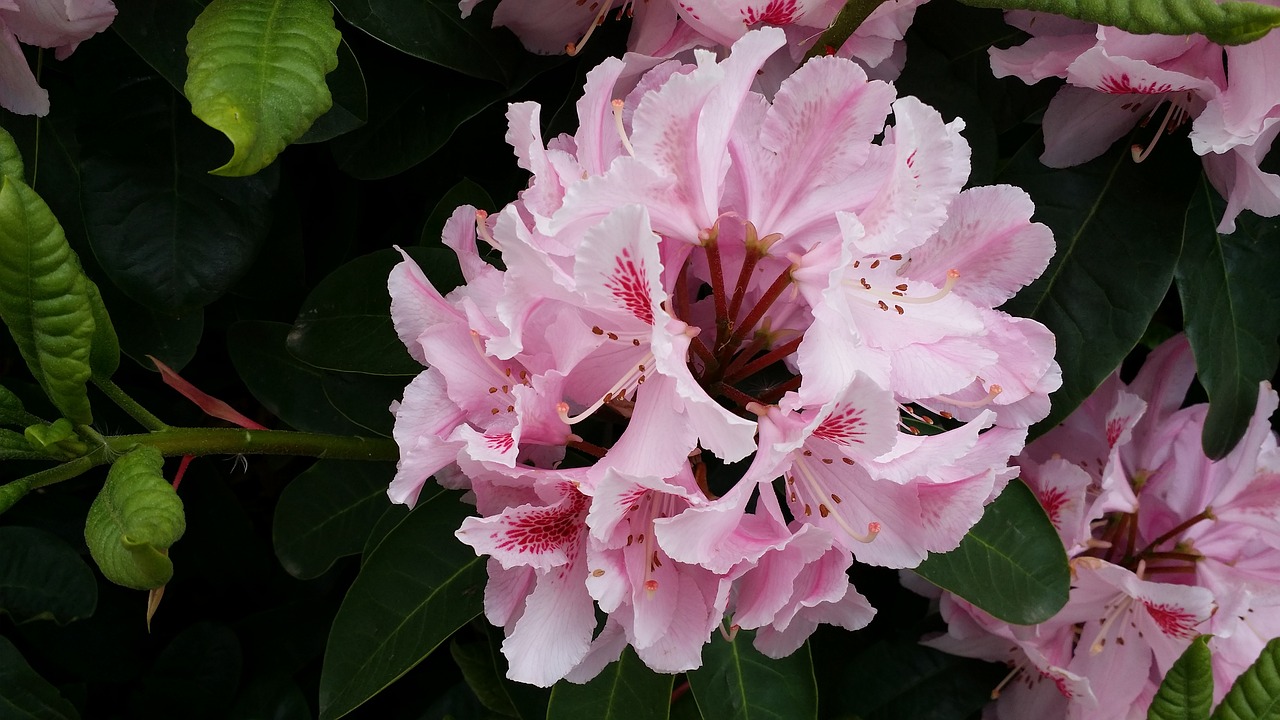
pixel 1116 79
pixel 664 28
pixel 1168 545
pixel 60 24
pixel 704 273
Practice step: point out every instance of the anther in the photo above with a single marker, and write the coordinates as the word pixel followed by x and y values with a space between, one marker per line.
pixel 572 49
pixel 622 131
pixel 482 230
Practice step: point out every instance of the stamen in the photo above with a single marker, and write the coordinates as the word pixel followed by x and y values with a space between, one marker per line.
pixel 1100 640
pixel 574 48
pixel 630 380
pixel 622 131
pixel 482 230
pixel 1138 152
pixel 873 528
pixel 992 392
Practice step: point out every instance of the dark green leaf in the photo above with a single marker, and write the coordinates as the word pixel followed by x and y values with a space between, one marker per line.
pixel 157 32
pixel 481 667
pixel 407 122
pixel 286 386
pixel 739 682
pixel 365 400
pixel 390 519
pixel 327 512
pixel 435 31
pixel 170 338
pixel 1229 295
pixel 24 695
pixel 1186 693
pixel 168 234
pixel 1011 564
pixel 43 577
pixel 257 74
pixel 44 299
pixel 350 101
pixel 900 678
pixel 413 592
pixel 345 323
pixel 133 521
pixel 466 192
pixel 1256 693
pixel 12 412
pixel 194 678
pixel 625 690
pixel 1117 225
pixel 1226 23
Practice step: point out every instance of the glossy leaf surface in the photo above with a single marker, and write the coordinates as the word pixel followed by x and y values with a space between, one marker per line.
pixel 737 681
pixel 1186 693
pixel 1229 300
pixel 417 588
pixel 257 74
pixel 327 513
pixel 625 690
pixel 1011 563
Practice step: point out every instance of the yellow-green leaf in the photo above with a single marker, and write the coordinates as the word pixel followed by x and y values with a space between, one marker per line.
pixel 1226 23
pixel 10 157
pixel 44 299
pixel 256 73
pixel 104 358
pixel 134 520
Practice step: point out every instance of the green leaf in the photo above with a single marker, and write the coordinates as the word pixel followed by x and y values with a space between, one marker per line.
pixel 1229 297
pixel 435 31
pixel 44 299
pixel 194 678
pixel 345 323
pixel 625 690
pixel 899 678
pixel 133 521
pixel 1225 23
pixel 104 358
pixel 56 440
pixel 257 74
pixel 1011 564
pixel 1117 225
pixel 42 577
pixel 284 385
pixel 738 682
pixel 407 122
pixel 10 158
pixel 350 101
pixel 327 513
pixel 1186 693
pixel 157 31
pixel 24 695
pixel 169 235
pixel 417 587
pixel 1256 693
pixel 480 666
pixel 12 412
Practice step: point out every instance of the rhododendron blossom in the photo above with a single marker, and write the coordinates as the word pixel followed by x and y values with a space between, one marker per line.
pixel 59 24
pixel 1166 544
pixel 695 391
pixel 664 28
pixel 1116 80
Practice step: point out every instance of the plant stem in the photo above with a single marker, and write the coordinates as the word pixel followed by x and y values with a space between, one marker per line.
pixel 173 442
pixel 129 405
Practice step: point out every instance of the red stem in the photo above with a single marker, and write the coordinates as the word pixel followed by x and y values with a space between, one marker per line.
pixel 757 312
pixel 765 360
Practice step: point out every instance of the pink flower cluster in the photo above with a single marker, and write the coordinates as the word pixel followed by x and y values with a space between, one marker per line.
pixel 663 28
pixel 1116 80
pixel 1165 545
pixel 687 394
pixel 61 24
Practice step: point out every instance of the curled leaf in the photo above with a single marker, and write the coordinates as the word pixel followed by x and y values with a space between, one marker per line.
pixel 256 74
pixel 1226 23
pixel 211 406
pixel 134 520
pixel 104 358
pixel 11 493
pixel 57 439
